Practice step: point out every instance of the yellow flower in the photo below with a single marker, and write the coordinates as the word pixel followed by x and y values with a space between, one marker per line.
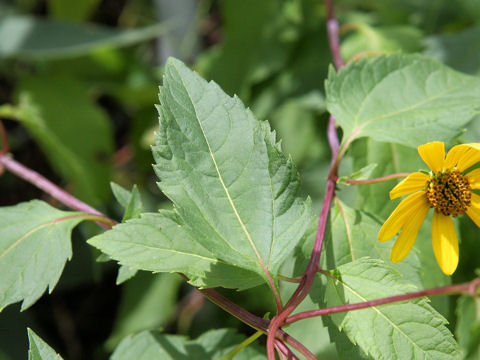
pixel 447 190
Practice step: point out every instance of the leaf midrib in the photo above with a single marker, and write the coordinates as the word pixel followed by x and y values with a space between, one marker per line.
pixel 375 308
pixel 245 230
pixel 38 228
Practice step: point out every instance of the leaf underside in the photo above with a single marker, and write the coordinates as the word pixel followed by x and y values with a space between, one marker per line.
pixel 158 242
pixel 234 191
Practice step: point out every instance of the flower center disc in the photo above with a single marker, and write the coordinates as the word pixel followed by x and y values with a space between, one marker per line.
pixel 449 193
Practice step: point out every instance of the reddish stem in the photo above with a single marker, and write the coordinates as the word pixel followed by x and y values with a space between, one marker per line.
pixel 470 288
pixel 333 38
pixel 376 180
pixel 304 287
pixel 333 137
pixel 251 320
pixel 5 145
pixel 46 185
pixel 285 350
pixel 300 294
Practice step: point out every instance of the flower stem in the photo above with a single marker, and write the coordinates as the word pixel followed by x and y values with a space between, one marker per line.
pixel 376 180
pixel 470 288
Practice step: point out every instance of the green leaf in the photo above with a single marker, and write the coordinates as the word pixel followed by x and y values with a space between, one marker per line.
pixel 364 173
pixel 212 345
pixel 28 37
pixel 34 246
pixel 72 10
pixel 39 349
pixel 232 186
pixel 129 200
pixel 383 39
pixel 374 199
pixel 250 53
pixel 468 326
pixel 405 99
pixel 71 129
pixel 124 273
pixel 141 300
pixel 390 158
pixel 160 242
pixel 297 123
pixel 404 330
pixel 354 235
pixel 460 50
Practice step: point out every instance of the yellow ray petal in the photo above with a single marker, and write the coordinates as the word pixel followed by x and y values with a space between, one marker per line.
pixel 414 182
pixel 473 211
pixel 403 212
pixel 458 156
pixel 445 243
pixel 454 154
pixel 471 157
pixel 474 178
pixel 433 153
pixel 407 236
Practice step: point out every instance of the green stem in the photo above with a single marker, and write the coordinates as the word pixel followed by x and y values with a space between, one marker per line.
pixel 230 355
pixel 376 180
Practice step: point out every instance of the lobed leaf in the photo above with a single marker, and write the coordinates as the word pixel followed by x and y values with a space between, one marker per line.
pixel 404 330
pixel 34 246
pixel 131 201
pixel 159 242
pixel 233 188
pixel 405 99
pixel 133 207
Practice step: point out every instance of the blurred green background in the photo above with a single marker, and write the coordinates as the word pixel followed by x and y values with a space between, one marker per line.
pixel 78 84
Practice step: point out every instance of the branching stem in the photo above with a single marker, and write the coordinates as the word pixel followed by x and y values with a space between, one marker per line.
pixel 337 153
pixel 470 288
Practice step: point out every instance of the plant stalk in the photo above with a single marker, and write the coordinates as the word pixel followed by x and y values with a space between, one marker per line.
pixel 304 287
pixel 47 186
pixel 376 180
pixel 470 288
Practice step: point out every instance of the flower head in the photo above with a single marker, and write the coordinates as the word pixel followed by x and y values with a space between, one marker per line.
pixel 447 190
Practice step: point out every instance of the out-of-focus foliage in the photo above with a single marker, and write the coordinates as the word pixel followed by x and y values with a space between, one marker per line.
pixel 78 84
